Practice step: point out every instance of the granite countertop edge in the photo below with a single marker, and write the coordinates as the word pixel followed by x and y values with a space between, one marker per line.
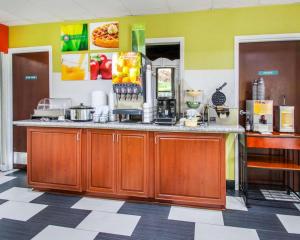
pixel 212 128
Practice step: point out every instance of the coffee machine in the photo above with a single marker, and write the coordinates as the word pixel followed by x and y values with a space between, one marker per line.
pixel 165 92
pixel 130 79
pixel 260 115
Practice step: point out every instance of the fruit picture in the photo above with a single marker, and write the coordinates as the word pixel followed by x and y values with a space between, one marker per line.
pixel 101 66
pixel 74 37
pixel 127 68
pixel 74 67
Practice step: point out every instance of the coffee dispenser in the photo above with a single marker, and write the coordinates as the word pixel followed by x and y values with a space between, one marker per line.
pixel 260 115
pixel 165 92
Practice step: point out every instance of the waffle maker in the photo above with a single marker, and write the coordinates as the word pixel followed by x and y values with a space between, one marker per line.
pixel 218 100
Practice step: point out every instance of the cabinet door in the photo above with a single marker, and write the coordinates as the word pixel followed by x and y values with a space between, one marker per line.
pixel 101 171
pixel 133 163
pixel 54 158
pixel 190 168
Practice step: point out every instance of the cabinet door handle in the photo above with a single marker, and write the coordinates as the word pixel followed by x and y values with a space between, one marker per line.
pixel 155 140
pixel 77 137
pixel 114 137
pixel 117 137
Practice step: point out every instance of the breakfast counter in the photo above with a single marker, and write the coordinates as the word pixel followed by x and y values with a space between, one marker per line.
pixel 212 128
pixel 172 164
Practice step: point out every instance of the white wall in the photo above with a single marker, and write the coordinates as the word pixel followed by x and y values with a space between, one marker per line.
pixel 209 80
pixel 78 91
pixel 206 80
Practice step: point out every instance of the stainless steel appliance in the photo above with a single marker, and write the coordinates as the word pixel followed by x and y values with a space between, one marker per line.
pixel 81 113
pixel 165 92
pixel 260 115
pixel 285 119
pixel 166 111
pixel 129 71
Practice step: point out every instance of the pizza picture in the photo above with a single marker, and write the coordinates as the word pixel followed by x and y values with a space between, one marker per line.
pixel 104 35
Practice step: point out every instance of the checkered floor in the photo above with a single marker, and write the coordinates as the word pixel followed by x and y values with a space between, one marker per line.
pixel 27 214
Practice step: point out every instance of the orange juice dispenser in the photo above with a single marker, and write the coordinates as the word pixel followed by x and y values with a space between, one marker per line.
pixel 129 71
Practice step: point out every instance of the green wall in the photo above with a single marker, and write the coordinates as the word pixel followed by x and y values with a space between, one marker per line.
pixel 209 35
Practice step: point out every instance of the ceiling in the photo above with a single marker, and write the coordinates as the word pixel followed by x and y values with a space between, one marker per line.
pixel 20 12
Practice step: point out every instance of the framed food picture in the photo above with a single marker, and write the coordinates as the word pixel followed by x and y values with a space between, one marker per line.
pixel 101 66
pixel 104 35
pixel 74 37
pixel 74 67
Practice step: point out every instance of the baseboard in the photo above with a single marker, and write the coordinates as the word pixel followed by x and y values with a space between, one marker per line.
pixel 230 184
pixel 20 166
pixel 20 158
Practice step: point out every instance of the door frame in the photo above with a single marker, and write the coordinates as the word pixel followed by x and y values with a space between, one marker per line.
pixel 21 158
pixel 170 41
pixel 252 39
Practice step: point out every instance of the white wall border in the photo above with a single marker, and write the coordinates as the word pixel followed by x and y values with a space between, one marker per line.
pixel 250 39
pixel 9 99
pixel 48 49
pixel 172 40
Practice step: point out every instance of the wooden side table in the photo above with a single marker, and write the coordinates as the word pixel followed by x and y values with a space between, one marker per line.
pixel 282 141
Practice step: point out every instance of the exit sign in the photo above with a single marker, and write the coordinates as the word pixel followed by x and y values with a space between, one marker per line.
pixel 268 73
pixel 30 77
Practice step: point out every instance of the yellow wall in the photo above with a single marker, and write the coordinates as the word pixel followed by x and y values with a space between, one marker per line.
pixel 209 35
pixel 230 156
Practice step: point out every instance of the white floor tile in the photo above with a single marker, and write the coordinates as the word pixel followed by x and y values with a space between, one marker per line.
pixel 20 210
pixel 235 203
pixel 20 194
pixel 4 179
pixel 291 223
pixel 297 205
pixel 196 215
pixel 113 223
pixel 54 232
pixel 8 172
pixel 209 232
pixel 97 204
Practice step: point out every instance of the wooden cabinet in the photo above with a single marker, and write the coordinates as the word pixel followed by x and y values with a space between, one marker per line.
pixel 101 163
pixel 54 158
pixel 133 163
pixel 117 162
pixel 181 168
pixel 190 169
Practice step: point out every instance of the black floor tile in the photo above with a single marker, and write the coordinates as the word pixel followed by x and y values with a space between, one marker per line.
pixel 145 209
pixel 58 216
pixel 58 200
pixel 233 193
pixel 107 236
pixel 18 230
pixel 151 228
pixel 17 182
pixel 254 220
pixel 154 223
pixel 275 207
pixel 271 235
pixel 18 173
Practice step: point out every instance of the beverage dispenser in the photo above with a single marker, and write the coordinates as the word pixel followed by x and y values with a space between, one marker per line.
pixel 129 70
